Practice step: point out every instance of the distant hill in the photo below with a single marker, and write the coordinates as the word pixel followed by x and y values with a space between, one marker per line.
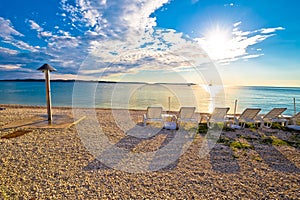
pixel 88 81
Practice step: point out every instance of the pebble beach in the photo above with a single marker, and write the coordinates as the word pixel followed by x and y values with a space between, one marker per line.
pixel 46 163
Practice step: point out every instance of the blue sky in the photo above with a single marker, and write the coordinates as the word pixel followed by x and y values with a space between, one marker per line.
pixel 238 42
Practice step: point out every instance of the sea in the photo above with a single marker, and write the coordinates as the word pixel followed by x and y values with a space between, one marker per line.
pixel 140 95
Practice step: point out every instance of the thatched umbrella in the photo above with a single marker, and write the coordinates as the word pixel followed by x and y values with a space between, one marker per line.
pixel 46 68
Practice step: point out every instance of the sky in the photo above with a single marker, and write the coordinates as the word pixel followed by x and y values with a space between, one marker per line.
pixel 225 42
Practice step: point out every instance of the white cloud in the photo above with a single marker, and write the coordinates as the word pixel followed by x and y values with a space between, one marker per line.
pixel 8 51
pixel 112 17
pixel 9 67
pixel 46 34
pixel 7 29
pixel 14 68
pixel 66 76
pixel 39 29
pixel 252 56
pixel 24 46
pixel 60 40
pixel 160 50
pixel 35 26
pixel 230 5
pixel 236 45
pixel 119 26
pixel 271 30
pixel 237 24
pixel 8 33
pixel 64 33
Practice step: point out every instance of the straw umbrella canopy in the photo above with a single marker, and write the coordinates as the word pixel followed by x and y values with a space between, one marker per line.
pixel 46 67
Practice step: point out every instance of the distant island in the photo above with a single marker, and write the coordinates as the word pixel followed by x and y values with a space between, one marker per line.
pixel 55 80
pixel 89 81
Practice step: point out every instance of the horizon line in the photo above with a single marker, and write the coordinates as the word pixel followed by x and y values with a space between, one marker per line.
pixel 137 82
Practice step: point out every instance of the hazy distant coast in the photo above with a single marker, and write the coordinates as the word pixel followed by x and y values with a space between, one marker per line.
pixel 88 81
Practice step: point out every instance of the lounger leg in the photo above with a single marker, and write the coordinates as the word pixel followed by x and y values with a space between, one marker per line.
pixel 243 125
pixel 270 125
pixel 261 124
pixel 177 124
pixel 267 125
pixel 208 125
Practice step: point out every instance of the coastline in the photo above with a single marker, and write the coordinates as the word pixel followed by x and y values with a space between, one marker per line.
pixel 70 108
pixel 56 107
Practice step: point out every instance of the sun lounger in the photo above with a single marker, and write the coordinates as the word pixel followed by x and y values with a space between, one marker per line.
pixel 295 122
pixel 217 116
pixel 272 116
pixel 248 116
pixel 153 115
pixel 186 114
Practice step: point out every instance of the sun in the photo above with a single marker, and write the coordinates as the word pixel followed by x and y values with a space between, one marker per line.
pixel 217 43
pixel 217 38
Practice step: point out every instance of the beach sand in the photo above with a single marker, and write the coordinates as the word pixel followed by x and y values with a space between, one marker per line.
pixel 54 164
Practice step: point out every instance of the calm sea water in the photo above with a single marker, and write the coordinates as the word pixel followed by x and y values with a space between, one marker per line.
pixel 139 96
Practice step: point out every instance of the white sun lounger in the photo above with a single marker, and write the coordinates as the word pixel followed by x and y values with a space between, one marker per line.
pixel 154 114
pixel 295 120
pixel 217 116
pixel 186 114
pixel 247 116
pixel 272 116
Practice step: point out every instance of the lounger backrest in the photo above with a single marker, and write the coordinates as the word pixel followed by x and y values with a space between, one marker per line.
pixel 274 113
pixel 186 112
pixel 296 118
pixel 219 114
pixel 154 112
pixel 249 113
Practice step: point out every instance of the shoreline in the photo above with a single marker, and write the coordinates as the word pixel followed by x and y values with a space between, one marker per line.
pixel 70 108
pixel 59 107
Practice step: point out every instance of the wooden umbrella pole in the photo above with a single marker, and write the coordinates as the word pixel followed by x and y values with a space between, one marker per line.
pixel 48 95
pixel 47 69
